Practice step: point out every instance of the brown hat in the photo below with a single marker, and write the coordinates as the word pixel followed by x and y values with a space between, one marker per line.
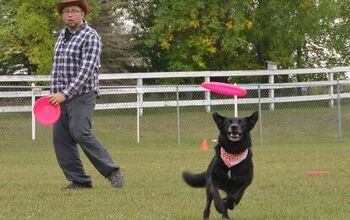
pixel 81 3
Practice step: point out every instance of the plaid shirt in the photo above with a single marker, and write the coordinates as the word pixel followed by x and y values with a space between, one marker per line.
pixel 76 62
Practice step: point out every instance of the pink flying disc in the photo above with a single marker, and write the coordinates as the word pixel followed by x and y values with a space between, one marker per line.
pixel 46 113
pixel 224 88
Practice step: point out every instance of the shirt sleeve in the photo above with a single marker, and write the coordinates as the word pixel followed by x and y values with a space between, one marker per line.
pixel 91 51
pixel 54 76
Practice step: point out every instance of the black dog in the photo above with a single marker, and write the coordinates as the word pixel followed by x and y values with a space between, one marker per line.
pixel 231 169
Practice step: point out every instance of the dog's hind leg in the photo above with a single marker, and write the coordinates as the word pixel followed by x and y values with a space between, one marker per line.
pixel 206 211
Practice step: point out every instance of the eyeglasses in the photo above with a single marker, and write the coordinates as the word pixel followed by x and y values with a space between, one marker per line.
pixel 73 11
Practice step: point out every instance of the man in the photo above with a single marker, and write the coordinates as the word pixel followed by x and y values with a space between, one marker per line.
pixel 74 86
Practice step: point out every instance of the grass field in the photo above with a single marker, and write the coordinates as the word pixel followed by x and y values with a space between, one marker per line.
pixel 30 179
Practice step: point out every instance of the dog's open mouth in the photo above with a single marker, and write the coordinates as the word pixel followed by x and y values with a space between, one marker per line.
pixel 234 136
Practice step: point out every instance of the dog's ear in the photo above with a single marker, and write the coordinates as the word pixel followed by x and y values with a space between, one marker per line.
pixel 219 120
pixel 252 120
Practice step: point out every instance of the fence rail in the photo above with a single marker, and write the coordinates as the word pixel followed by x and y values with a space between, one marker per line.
pixel 158 75
pixel 36 91
pixel 140 97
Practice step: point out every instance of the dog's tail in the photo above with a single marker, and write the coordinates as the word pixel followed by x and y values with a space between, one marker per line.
pixel 194 180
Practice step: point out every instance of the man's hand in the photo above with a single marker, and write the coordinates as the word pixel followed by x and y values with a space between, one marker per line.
pixel 56 98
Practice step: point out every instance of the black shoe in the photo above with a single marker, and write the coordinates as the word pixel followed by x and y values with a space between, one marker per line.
pixel 75 185
pixel 116 178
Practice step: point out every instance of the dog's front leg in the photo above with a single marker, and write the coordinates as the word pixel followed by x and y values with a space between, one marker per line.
pixel 236 197
pixel 206 211
pixel 214 192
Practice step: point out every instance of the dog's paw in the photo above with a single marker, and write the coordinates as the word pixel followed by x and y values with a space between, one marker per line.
pixel 228 205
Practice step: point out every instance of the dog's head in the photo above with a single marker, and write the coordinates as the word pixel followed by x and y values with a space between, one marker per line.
pixel 235 129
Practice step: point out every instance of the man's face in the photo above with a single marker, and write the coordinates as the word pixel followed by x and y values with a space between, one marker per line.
pixel 72 16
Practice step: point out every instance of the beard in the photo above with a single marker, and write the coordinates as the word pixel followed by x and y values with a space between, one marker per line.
pixel 73 25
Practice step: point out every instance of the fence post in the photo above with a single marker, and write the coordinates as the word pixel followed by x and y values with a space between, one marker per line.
pixel 271 66
pixel 139 92
pixel 207 95
pixel 178 116
pixel 140 84
pixel 260 116
pixel 331 89
pixel 236 104
pixel 340 131
pixel 33 116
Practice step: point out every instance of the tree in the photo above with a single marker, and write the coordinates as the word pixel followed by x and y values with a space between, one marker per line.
pixel 231 34
pixel 300 33
pixel 27 29
pixel 117 55
pixel 290 31
pixel 30 28
pixel 141 14
pixel 198 35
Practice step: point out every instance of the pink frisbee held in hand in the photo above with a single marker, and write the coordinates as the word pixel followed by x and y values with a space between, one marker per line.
pixel 46 113
pixel 224 88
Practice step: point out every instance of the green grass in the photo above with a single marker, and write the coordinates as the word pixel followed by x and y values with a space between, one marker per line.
pixel 30 179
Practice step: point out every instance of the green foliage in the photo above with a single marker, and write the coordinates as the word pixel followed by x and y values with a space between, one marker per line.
pixel 295 33
pixel 30 32
pixel 224 35
pixel 142 14
pixel 117 55
pixel 199 35
pixel 188 35
pixel 30 28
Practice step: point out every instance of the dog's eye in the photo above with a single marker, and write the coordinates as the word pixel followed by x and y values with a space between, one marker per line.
pixel 242 123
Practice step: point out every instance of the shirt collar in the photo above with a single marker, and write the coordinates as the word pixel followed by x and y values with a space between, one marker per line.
pixel 82 26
